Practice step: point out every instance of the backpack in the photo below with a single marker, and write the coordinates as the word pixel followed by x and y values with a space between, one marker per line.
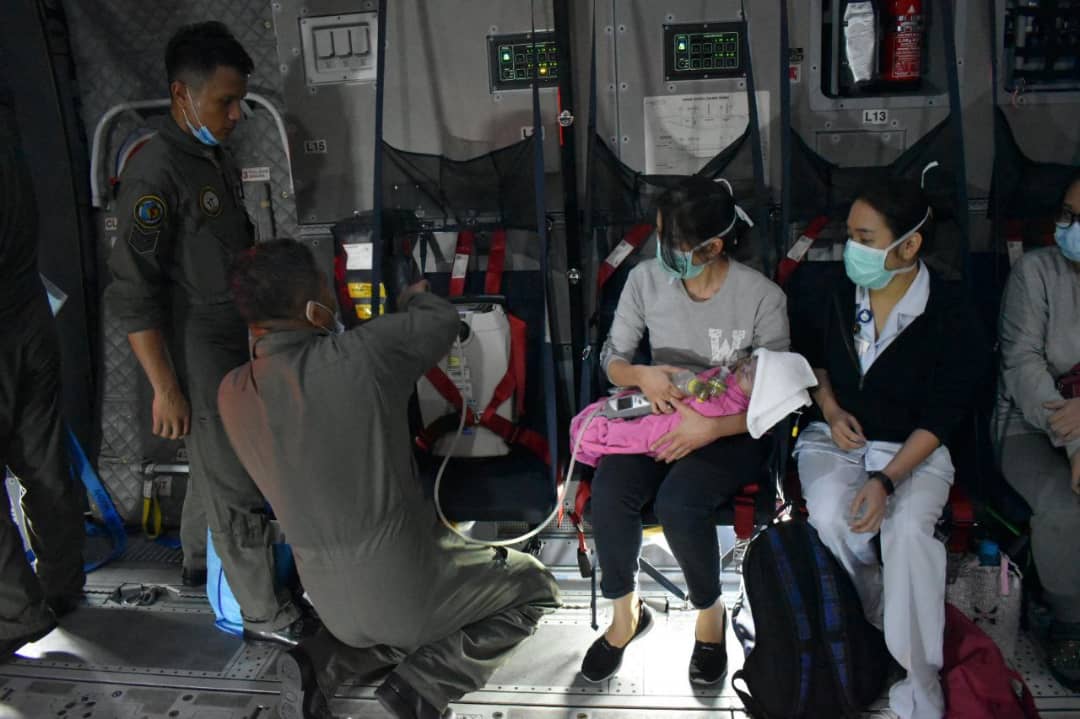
pixel 813 653
pixel 976 680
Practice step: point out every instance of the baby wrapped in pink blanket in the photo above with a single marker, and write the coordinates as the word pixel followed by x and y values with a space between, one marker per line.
pixel 600 435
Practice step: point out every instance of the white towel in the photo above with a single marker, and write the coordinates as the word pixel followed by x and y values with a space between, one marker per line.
pixel 780 388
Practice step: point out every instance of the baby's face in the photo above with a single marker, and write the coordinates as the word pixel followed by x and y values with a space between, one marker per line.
pixel 744 374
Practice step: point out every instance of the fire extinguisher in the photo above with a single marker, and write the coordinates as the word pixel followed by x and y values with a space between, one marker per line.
pixel 903 42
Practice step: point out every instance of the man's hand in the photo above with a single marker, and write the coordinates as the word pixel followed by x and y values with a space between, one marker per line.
pixel 172 414
pixel 870 501
pixel 417 288
pixel 846 430
pixel 693 432
pixel 1075 462
pixel 1065 420
pixel 655 383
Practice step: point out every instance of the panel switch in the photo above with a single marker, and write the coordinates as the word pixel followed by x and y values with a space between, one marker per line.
pixel 341 42
pixel 359 38
pixel 324 44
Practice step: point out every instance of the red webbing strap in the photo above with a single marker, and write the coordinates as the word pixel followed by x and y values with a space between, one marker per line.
pixel 460 269
pixel 963 520
pixel 745 504
pixel 496 263
pixel 798 251
pixel 446 387
pixel 510 432
pixel 629 244
pixel 518 340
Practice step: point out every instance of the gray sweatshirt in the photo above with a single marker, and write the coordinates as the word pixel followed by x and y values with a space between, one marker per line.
pixel 748 312
pixel 1040 341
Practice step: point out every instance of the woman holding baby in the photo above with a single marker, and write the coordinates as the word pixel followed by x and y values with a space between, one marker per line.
pixel 701 309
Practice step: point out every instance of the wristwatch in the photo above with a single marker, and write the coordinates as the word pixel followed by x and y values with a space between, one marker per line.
pixel 885 480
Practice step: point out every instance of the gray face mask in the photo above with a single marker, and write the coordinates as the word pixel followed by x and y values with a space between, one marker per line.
pixel 309 314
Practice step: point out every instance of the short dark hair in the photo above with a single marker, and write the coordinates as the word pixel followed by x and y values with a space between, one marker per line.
pixel 274 281
pixel 903 205
pixel 195 51
pixel 1075 178
pixel 693 211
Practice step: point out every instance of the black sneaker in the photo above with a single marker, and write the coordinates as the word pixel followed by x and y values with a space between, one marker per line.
pixel 403 702
pixel 193 577
pixel 1063 654
pixel 288 636
pixel 603 660
pixel 64 604
pixel 708 661
pixel 301 695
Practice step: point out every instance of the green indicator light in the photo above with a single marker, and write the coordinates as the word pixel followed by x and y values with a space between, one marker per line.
pixel 682 45
pixel 506 57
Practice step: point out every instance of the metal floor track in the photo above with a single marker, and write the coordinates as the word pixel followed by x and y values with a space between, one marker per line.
pixel 168 661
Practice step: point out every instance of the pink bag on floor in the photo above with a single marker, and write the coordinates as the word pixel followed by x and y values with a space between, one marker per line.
pixel 977 682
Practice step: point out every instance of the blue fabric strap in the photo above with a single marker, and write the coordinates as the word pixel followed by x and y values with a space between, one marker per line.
pixel 114 526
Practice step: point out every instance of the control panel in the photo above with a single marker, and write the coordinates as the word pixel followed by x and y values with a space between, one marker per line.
pixel 703 51
pixel 515 59
pixel 1042 45
pixel 339 48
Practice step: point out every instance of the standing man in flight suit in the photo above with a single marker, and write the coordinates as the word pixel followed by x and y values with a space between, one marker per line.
pixel 320 419
pixel 181 218
pixel 31 432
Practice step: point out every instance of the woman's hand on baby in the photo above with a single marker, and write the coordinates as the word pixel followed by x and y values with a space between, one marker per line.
pixel 693 432
pixel 1065 420
pixel 846 430
pixel 655 383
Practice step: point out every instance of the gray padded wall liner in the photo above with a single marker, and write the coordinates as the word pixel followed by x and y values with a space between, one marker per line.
pixel 119 48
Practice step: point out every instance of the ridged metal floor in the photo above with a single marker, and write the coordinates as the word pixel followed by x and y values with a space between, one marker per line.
pixel 169 661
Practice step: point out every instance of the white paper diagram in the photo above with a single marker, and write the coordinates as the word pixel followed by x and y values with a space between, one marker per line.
pixel 683 132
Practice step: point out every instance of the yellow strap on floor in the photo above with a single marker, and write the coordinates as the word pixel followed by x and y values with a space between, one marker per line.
pixel 151 511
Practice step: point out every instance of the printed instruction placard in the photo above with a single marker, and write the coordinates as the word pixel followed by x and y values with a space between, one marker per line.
pixel 684 132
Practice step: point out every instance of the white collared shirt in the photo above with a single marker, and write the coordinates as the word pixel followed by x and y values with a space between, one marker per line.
pixel 910 307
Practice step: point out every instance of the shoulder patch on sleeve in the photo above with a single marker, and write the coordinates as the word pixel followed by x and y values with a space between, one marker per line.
pixel 144 242
pixel 149 213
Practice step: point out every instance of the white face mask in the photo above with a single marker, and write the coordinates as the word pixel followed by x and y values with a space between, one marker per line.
pixel 309 314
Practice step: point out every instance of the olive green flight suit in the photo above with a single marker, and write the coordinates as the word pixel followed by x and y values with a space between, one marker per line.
pixel 181 218
pixel 321 422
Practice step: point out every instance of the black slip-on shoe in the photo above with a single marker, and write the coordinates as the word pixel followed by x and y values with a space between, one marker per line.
pixel 403 702
pixel 288 636
pixel 708 663
pixel 603 660
pixel 301 695
pixel 9 646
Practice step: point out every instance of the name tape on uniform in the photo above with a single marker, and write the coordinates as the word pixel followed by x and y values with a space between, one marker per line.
pixel 255 174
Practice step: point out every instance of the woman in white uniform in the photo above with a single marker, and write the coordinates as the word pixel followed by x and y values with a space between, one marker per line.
pixel 898 353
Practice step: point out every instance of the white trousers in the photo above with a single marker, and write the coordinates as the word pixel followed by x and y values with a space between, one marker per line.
pixel 904 594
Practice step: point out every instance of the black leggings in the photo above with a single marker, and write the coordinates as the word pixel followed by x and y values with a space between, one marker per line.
pixel 686 494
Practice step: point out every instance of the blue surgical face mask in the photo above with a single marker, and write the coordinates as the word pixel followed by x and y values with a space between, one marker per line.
pixel 202 132
pixel 309 313
pixel 684 268
pixel 1068 239
pixel 865 266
